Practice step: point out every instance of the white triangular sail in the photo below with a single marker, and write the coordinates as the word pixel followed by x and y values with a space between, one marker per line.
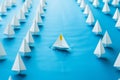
pixel 117 25
pixel 106 40
pixel 29 38
pixel 116 14
pixel 83 4
pixel 10 78
pixel 42 2
pixel 87 10
pixel 3 9
pixel 25 9
pixel 8 4
pixel 96 3
pixel 79 1
pixel 21 16
pixel 13 2
pixel 15 22
pixel 61 43
pixel 40 10
pixel 38 18
pixel 97 28
pixel 99 51
pixel 117 62
pixel 90 19
pixel 24 48
pixel 9 32
pixel 28 4
pixel 115 2
pixel 2 52
pixel 106 8
pixel 34 28
pixel 18 65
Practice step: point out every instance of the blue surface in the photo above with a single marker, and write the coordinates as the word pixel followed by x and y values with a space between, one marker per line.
pixel 62 16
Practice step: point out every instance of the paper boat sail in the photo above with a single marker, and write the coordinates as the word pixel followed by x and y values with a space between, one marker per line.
pixel 106 8
pixel 24 48
pixel 3 9
pixel 25 9
pixel 13 2
pixel 116 14
pixel 90 19
pixel 15 22
pixel 28 4
pixel 61 43
pixel 21 16
pixel 106 40
pixel 115 2
pixel 38 18
pixel 83 4
pixel 2 52
pixel 34 28
pixel 8 4
pixel 87 10
pixel 42 2
pixel 79 1
pixel 99 51
pixel 18 65
pixel 9 32
pixel 117 25
pixel 40 10
pixel 10 78
pixel 29 38
pixel 97 28
pixel 96 3
pixel 117 62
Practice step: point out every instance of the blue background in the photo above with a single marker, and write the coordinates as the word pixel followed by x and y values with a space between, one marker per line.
pixel 66 17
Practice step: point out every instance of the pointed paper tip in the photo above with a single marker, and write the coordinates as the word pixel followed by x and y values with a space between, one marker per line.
pixel 18 54
pixel 61 37
pixel 10 77
pixel 106 32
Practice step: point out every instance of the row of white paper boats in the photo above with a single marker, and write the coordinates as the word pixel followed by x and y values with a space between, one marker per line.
pixel 106 40
pixel 15 23
pixel 18 65
pixel 7 4
pixel 60 43
pixel 90 19
pixel 96 3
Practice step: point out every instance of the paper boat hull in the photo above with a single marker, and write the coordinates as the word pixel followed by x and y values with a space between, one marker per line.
pixel 31 44
pixel 3 14
pixel 35 33
pixel 118 68
pixel 25 54
pixel 98 33
pixel 16 27
pixel 60 48
pixel 107 45
pixel 19 72
pixel 9 36
pixel 2 57
pixel 22 20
